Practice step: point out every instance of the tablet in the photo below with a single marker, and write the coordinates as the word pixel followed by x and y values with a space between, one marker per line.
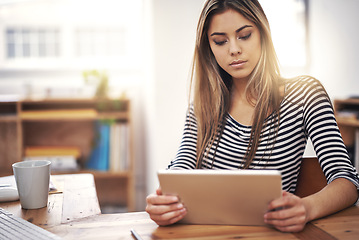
pixel 228 197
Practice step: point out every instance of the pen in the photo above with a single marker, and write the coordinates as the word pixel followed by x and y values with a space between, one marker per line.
pixel 135 234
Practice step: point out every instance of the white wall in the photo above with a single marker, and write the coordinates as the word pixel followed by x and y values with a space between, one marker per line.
pixel 334 38
pixel 174 26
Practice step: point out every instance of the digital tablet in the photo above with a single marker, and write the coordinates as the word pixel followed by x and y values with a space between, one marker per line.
pixel 228 197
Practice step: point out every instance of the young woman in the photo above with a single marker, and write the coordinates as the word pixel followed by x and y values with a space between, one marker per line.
pixel 246 116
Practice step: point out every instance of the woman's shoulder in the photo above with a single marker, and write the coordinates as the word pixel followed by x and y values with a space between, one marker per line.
pixel 302 80
pixel 190 115
pixel 303 84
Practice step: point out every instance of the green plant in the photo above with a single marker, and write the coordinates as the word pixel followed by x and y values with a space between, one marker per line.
pixel 98 78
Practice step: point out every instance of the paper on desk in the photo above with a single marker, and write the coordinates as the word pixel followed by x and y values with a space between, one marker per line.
pixel 54 187
pixel 10 182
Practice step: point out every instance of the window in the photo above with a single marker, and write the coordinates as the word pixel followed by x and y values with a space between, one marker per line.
pixel 92 42
pixel 71 35
pixel 31 42
pixel 288 22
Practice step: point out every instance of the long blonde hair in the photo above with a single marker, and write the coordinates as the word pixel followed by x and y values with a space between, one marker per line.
pixel 212 85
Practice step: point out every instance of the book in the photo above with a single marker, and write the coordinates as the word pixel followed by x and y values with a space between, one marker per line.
pixel 58 114
pixel 99 158
pixel 119 147
pixel 124 147
pixel 111 149
pixel 36 151
pixel 115 135
pixel 58 163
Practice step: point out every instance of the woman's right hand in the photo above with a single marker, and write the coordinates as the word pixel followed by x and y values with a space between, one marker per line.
pixel 164 209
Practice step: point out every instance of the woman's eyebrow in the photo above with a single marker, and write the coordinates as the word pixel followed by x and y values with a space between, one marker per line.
pixel 237 31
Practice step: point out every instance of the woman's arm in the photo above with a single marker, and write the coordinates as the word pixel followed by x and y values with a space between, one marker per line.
pixel 342 191
pixel 296 212
pixel 339 194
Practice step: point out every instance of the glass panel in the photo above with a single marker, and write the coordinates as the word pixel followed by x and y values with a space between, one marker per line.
pixel 32 42
pixel 289 36
pixel 10 39
pixel 42 43
pixel 26 42
pixel 100 42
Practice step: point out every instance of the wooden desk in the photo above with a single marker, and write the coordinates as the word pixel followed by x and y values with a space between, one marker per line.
pixel 75 214
pixel 77 200
pixel 343 225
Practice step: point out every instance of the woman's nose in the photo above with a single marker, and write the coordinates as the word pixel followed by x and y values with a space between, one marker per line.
pixel 235 48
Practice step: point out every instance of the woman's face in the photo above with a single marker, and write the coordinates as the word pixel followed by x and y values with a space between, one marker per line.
pixel 235 43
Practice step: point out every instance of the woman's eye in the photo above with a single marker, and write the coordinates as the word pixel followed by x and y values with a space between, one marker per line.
pixel 245 37
pixel 219 43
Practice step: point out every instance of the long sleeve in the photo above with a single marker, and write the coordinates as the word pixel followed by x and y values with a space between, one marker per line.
pixel 186 154
pixel 321 126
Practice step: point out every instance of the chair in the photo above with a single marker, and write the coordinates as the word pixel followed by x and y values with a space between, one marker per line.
pixel 311 178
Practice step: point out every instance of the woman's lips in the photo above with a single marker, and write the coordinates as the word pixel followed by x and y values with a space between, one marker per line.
pixel 237 63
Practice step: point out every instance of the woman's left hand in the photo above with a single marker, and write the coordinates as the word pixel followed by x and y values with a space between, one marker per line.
pixel 287 214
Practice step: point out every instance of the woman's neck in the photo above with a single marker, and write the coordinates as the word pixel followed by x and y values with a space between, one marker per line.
pixel 242 107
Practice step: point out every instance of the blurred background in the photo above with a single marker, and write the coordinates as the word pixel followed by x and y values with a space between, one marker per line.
pixel 145 48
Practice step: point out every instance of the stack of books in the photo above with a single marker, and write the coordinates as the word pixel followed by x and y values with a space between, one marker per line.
pixel 111 149
pixel 62 158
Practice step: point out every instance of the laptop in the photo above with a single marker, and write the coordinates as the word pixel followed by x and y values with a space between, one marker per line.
pixel 228 197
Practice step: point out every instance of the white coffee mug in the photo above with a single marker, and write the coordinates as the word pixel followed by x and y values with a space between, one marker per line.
pixel 32 180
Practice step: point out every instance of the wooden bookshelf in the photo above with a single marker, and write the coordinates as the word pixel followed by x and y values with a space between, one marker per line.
pixel 347 115
pixel 67 122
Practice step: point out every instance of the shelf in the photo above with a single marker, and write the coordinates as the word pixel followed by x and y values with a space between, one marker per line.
pixel 109 174
pixel 8 118
pixel 97 174
pixel 64 114
pixel 71 114
pixel 349 101
pixel 349 122
pixel 112 115
pixel 72 123
pixel 8 112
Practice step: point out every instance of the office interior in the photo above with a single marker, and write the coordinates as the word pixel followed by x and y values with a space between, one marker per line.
pixel 148 58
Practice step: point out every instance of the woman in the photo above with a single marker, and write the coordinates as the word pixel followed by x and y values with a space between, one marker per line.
pixel 245 115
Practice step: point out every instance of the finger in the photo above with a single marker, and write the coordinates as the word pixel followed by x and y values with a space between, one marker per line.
pixel 286 213
pixel 292 228
pixel 169 217
pixel 161 199
pixel 285 219
pixel 162 209
pixel 159 191
pixel 287 200
pixel 179 217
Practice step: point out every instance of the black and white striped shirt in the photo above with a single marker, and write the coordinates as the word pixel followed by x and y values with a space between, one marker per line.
pixel 305 112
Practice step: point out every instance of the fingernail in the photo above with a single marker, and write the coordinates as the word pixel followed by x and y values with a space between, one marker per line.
pixel 180 205
pixel 174 199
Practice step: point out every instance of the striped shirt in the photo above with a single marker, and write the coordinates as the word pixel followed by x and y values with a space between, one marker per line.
pixel 305 112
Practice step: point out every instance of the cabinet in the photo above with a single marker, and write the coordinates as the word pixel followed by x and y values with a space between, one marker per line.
pixel 347 115
pixel 67 122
